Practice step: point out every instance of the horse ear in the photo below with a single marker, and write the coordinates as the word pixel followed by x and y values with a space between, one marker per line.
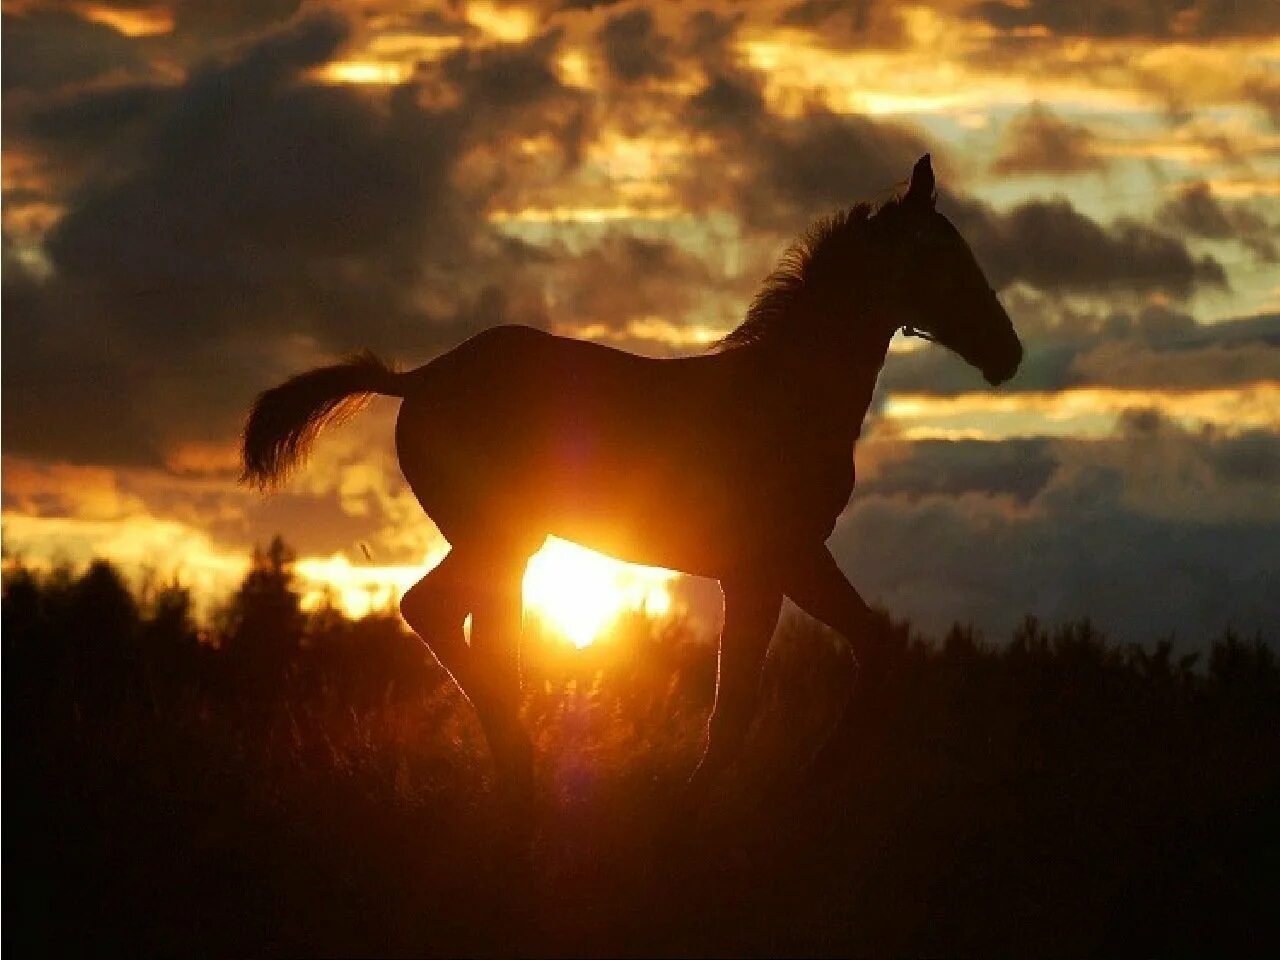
pixel 922 185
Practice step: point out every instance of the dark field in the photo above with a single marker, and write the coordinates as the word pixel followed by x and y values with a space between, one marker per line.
pixel 312 786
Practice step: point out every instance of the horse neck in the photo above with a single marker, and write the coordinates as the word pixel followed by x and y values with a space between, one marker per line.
pixel 831 379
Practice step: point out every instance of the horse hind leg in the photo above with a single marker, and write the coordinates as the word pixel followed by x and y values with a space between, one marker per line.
pixel 496 626
pixel 436 608
pixel 485 586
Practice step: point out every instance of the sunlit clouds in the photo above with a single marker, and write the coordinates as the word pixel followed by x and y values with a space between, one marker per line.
pixel 1079 412
pixel 139 21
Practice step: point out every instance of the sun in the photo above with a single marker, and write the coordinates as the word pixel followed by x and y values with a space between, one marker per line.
pixel 580 593
pixel 574 592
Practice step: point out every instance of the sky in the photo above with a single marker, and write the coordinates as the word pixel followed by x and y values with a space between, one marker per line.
pixel 203 197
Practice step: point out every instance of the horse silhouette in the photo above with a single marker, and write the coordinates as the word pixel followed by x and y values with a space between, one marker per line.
pixel 732 465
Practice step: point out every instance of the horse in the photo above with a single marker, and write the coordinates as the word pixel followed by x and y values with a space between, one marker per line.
pixel 733 464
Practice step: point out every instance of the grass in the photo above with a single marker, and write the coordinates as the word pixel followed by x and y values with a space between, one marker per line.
pixel 315 786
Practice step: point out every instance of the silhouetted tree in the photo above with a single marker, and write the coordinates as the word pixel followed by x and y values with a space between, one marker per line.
pixel 102 627
pixel 173 656
pixel 264 623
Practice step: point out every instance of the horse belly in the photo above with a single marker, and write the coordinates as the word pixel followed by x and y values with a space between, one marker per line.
pixel 654 535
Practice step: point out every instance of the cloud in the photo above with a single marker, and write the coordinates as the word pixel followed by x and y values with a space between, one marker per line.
pixel 261 220
pixel 46 49
pixel 727 103
pixel 1192 368
pixel 1134 18
pixel 1038 141
pixel 787 170
pixel 867 22
pixel 58 372
pixel 782 171
pixel 1079 411
pixel 1196 210
pixel 633 49
pixel 1050 245
pixel 708 37
pixel 205 19
pixel 1152 531
pixel 1017 468
pixel 1264 91
pixel 350 492
pixel 624 288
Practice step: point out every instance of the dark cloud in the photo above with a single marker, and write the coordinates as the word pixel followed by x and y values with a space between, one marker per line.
pixel 1154 531
pixel 1038 141
pixel 67 388
pixel 84 131
pixel 1050 245
pixel 1197 211
pixel 44 49
pixel 513 89
pixel 786 170
pixel 263 217
pixel 1016 468
pixel 727 102
pixel 626 280
pixel 1135 18
pixel 207 19
pixel 862 22
pixel 1265 92
pixel 1124 364
pixel 633 48
pixel 587 4
pixel 82 119
pixel 708 37
pixel 56 44
pixel 242 203
pixel 825 160
pixel 505 78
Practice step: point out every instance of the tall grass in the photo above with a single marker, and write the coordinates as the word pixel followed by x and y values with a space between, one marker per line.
pixel 280 783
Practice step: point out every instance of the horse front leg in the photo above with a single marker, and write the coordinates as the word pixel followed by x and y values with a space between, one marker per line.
pixel 816 584
pixel 750 615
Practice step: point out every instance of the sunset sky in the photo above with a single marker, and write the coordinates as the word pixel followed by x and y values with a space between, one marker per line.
pixel 202 198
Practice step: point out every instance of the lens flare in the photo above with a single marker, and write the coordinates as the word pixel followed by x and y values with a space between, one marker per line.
pixel 574 592
pixel 580 594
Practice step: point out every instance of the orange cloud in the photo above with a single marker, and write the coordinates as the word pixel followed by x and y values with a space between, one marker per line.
pixel 139 21
pixel 1083 411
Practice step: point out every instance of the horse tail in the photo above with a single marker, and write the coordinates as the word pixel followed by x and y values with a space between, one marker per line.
pixel 285 420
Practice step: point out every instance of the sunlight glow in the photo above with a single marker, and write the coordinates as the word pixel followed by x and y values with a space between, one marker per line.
pixel 574 592
pixel 1081 411
pixel 363 72
pixel 580 593
pixel 690 336
pixel 141 21
pixel 356 589
pixel 508 24
pixel 584 214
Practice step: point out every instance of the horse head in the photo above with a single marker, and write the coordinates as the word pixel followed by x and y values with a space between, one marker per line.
pixel 942 294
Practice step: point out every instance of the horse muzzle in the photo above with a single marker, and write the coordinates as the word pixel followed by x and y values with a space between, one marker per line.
pixel 1001 370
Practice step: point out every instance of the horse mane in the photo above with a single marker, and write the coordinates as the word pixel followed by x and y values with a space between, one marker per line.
pixel 802 273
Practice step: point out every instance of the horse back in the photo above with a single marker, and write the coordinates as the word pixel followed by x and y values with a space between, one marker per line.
pixel 664 461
